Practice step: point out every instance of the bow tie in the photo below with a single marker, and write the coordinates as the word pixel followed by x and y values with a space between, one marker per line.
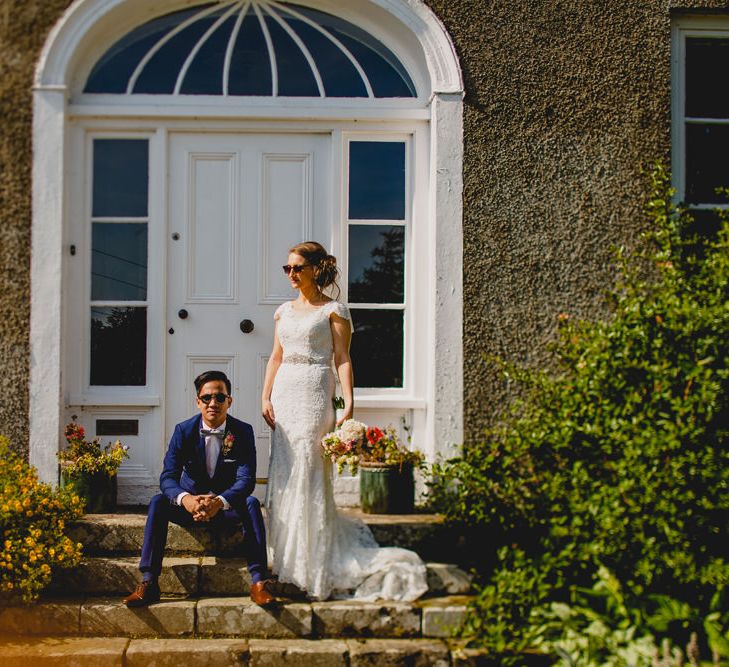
pixel 205 432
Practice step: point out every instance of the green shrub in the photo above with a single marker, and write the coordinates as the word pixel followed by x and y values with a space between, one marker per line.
pixel 619 457
pixel 32 521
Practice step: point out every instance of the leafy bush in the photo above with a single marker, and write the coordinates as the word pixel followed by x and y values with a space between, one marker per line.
pixel 619 457
pixel 32 520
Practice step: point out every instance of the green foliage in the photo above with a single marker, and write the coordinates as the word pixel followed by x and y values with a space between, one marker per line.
pixel 87 456
pixel 620 456
pixel 32 521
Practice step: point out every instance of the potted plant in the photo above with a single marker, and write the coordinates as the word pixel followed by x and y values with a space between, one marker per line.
pixel 91 469
pixel 385 465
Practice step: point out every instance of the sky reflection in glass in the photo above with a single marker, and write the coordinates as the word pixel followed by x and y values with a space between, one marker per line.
pixel 121 169
pixel 119 261
pixel 377 180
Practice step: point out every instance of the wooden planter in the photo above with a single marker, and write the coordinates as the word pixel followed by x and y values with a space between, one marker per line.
pixel 98 490
pixel 386 488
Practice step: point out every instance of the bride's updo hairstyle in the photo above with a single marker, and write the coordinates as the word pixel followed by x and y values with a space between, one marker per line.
pixel 325 265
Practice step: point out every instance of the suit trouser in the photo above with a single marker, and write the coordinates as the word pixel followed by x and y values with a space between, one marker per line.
pixel 161 511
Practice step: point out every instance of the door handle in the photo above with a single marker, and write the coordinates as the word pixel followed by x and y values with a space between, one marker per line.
pixel 246 326
pixel 182 314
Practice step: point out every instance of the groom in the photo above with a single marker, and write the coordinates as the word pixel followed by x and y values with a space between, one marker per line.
pixel 208 475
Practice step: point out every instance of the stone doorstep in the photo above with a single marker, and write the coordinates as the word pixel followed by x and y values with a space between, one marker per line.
pixel 118 534
pixel 237 617
pixel 208 575
pixel 111 651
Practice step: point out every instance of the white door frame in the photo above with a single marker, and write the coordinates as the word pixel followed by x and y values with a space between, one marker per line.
pixel 86 26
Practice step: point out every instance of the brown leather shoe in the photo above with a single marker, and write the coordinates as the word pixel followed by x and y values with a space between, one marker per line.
pixel 260 594
pixel 145 593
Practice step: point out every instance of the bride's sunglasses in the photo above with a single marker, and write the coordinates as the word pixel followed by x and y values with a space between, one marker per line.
pixel 293 268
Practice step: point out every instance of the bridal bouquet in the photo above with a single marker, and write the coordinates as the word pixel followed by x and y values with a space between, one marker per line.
pixel 354 443
pixel 344 446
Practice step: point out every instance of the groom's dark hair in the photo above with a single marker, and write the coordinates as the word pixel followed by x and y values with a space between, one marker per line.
pixel 211 376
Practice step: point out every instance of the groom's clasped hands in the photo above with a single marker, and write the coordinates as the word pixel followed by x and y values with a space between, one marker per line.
pixel 202 507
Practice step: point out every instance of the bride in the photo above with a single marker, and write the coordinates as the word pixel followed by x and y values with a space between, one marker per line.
pixel 314 547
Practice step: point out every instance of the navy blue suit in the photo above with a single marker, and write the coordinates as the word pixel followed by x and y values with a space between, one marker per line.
pixel 234 478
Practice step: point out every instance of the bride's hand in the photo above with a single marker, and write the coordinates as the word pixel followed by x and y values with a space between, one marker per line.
pixel 268 415
pixel 346 414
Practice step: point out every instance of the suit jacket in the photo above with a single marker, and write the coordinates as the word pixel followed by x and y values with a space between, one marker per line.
pixel 185 469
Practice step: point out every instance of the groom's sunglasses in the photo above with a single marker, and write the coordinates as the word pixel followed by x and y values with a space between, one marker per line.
pixel 293 268
pixel 219 397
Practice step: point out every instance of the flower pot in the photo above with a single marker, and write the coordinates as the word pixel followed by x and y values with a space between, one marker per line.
pixel 97 490
pixel 386 488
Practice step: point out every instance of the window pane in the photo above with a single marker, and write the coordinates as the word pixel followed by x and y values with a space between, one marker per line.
pixel 295 78
pixel 707 60
pixel 250 67
pixel 111 74
pixel 338 74
pixel 120 178
pixel 706 223
pixel 377 348
pixel 118 346
pixel 159 75
pixel 205 74
pixel 377 180
pixel 707 167
pixel 376 263
pixel 387 75
pixel 119 262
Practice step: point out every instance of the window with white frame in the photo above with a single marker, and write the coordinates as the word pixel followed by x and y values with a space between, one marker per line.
pixel 119 239
pixel 377 214
pixel 701 119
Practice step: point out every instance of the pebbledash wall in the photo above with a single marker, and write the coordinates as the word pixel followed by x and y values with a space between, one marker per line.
pixel 567 104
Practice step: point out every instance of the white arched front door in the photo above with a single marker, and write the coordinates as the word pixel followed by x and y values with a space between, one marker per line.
pixel 202 143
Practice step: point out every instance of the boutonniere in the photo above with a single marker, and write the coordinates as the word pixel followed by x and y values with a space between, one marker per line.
pixel 228 441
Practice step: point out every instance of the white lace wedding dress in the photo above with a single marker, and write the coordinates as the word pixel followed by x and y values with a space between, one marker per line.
pixel 313 546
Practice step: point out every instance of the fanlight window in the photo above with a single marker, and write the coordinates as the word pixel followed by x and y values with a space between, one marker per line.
pixel 250 47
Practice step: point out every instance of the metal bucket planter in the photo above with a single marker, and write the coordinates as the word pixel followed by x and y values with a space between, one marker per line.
pixel 98 490
pixel 386 488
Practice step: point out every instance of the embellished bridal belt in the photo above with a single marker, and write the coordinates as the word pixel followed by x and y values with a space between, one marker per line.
pixel 305 359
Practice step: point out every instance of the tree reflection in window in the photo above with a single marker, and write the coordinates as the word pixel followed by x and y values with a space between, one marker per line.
pixel 377 348
pixel 118 346
pixel 379 278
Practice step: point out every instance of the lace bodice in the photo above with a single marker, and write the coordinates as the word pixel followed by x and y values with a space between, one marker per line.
pixel 305 335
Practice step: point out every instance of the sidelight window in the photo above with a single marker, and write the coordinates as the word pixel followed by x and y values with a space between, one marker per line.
pixel 377 216
pixel 119 232
pixel 701 131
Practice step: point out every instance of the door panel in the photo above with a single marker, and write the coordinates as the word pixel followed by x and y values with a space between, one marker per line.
pixel 236 204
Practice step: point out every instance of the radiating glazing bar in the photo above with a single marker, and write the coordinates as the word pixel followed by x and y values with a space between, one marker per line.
pixel 231 46
pixel 143 62
pixel 332 39
pixel 302 47
pixel 199 45
pixel 271 52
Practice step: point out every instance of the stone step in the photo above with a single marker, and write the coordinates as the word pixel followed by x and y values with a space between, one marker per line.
pixel 118 651
pixel 237 617
pixel 121 534
pixel 205 575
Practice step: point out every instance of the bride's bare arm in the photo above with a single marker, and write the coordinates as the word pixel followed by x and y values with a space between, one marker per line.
pixel 341 337
pixel 274 361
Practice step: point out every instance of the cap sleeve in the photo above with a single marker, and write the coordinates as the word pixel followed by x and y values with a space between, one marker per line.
pixel 279 311
pixel 341 310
